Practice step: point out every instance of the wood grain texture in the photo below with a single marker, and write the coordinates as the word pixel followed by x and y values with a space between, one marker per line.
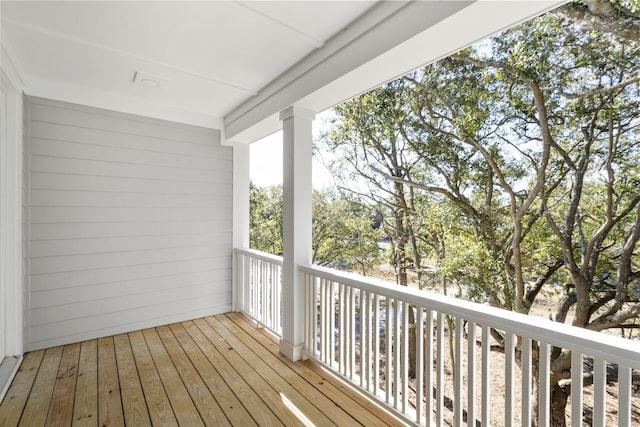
pixel 182 405
pixel 85 411
pixel 133 404
pixel 213 371
pixel 16 398
pixel 37 408
pixel 109 399
pixel 156 398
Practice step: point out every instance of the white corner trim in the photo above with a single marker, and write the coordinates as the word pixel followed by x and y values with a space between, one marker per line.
pixel 11 67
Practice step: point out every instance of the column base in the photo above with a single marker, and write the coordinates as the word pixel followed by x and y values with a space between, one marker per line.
pixel 290 351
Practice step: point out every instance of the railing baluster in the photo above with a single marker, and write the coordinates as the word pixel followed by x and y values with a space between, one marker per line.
pixel 486 379
pixel 264 305
pixel 307 323
pixel 376 344
pixel 275 297
pixel 332 294
pixel 396 353
pixel 404 380
pixel 526 381
pixel 363 338
pixel 471 373
pixel 509 372
pixel 576 388
pixel 544 417
pixel 440 357
pixel 323 321
pixel 599 392
pixel 388 349
pixel 458 380
pixel 329 319
pixel 369 332
pixel 419 364
pixel 428 368
pixel 352 343
pixel 314 293
pixel 624 396
pixel 341 328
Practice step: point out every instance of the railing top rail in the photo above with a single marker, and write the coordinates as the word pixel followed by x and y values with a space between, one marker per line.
pixel 274 259
pixel 592 343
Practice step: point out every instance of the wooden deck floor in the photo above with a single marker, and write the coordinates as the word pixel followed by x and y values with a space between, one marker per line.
pixel 215 371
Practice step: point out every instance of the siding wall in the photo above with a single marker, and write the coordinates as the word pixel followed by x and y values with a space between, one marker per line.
pixel 128 222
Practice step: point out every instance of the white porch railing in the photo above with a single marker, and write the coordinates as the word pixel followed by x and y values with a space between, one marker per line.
pixel 260 287
pixel 359 327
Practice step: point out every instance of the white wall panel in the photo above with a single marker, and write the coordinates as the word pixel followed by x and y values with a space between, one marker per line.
pixel 129 222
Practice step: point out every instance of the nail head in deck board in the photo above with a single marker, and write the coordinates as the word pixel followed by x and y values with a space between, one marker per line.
pixel 230 404
pixel 208 408
pixel 16 398
pixel 267 393
pixel 35 412
pixel 155 396
pixel 252 403
pixel 133 404
pixel 109 400
pixel 328 407
pixel 85 411
pixel 183 407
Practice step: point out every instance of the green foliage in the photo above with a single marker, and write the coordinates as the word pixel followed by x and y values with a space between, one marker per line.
pixel 265 219
pixel 527 147
pixel 343 230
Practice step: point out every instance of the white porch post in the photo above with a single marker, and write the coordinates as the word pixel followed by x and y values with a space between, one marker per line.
pixel 296 224
pixel 241 191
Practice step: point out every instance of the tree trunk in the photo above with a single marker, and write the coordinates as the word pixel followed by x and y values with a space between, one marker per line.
pixel 559 398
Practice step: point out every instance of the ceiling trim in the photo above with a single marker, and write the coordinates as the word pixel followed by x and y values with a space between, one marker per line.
pixel 315 42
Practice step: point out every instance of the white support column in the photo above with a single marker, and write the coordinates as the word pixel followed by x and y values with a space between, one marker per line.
pixel 296 224
pixel 241 191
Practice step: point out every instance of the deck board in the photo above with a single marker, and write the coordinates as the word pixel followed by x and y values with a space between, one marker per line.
pixel 16 398
pixel 85 412
pixel 220 370
pixel 156 398
pixel 109 398
pixel 37 407
pixel 61 406
pixel 133 402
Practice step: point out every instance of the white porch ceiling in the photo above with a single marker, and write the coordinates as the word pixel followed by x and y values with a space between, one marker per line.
pixel 235 63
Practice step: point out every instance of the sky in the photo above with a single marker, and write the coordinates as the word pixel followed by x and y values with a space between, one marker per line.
pixel 266 159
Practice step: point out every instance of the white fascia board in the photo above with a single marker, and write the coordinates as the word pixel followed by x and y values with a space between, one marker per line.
pixel 383 27
pixel 111 101
pixel 387 51
pixel 421 49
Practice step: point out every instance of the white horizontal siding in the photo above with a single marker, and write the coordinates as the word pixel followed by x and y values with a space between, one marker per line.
pixel 129 222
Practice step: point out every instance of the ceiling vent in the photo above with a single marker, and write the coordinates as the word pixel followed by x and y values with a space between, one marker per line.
pixel 150 81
